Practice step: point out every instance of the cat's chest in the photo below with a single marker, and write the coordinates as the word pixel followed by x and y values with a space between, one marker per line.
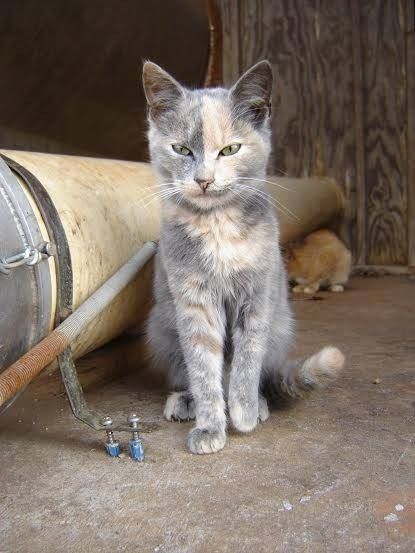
pixel 226 244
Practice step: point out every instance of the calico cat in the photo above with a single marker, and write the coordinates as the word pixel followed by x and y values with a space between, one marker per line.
pixel 221 322
pixel 320 260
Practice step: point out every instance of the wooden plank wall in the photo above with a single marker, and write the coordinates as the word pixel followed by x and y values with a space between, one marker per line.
pixel 410 64
pixel 340 106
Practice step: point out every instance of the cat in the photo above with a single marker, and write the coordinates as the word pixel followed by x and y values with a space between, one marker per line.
pixel 319 260
pixel 221 322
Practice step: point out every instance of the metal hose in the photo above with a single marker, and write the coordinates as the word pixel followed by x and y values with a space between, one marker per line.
pixel 25 369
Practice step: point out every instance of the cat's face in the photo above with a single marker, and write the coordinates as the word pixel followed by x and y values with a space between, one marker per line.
pixel 209 146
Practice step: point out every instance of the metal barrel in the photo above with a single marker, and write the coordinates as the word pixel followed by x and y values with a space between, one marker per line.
pixel 94 213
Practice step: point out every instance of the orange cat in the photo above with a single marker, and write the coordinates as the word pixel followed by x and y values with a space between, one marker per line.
pixel 320 260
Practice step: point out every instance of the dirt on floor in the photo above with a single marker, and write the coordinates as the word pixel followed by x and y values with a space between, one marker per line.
pixel 332 473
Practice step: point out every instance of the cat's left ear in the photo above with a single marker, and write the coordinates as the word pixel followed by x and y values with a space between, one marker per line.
pixel 251 95
pixel 161 90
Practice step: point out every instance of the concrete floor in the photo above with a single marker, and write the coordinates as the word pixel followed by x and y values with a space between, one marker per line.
pixel 333 473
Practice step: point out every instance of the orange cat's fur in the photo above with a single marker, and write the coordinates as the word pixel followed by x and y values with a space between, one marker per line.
pixel 321 259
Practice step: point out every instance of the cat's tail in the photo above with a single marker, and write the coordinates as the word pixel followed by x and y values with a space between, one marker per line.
pixel 317 371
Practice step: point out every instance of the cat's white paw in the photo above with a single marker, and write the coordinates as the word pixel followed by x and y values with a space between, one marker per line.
pixel 298 289
pixel 337 288
pixel 179 407
pixel 244 418
pixel 311 289
pixel 202 441
pixel 263 411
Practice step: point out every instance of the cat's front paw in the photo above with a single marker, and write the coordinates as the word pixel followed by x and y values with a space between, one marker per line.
pixel 298 289
pixel 244 416
pixel 203 440
pixel 179 407
pixel 336 288
pixel 311 289
pixel 263 411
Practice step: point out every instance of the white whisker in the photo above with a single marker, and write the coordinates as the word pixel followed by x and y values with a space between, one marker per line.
pixel 273 201
pixel 263 180
pixel 161 195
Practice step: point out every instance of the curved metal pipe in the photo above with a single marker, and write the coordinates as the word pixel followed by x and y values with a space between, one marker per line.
pixel 25 369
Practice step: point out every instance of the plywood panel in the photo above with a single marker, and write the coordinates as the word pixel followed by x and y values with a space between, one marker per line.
pixel 410 52
pixel 313 102
pixel 383 38
pixel 341 105
pixel 359 201
pixel 230 40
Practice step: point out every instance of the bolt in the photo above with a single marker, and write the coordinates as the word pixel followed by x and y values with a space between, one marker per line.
pixel 135 445
pixel 48 248
pixel 111 445
pixel 107 422
pixel 133 422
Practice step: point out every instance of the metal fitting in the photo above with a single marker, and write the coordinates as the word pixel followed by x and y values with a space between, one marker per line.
pixel 48 248
pixel 29 256
pixel 111 445
pixel 133 422
pixel 135 445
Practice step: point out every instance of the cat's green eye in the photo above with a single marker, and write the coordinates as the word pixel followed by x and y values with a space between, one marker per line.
pixel 230 150
pixel 182 150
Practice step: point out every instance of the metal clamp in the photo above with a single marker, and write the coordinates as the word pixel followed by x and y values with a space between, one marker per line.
pixel 135 445
pixel 29 256
pixel 98 421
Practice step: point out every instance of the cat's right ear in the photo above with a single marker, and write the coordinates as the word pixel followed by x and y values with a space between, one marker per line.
pixel 251 95
pixel 161 90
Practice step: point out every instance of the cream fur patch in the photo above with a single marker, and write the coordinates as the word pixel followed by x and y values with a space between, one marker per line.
pixel 227 246
pixel 216 125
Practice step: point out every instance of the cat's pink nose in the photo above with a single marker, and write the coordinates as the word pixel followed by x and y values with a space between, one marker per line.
pixel 204 183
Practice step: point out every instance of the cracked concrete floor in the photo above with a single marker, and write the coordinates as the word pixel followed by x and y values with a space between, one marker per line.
pixel 333 473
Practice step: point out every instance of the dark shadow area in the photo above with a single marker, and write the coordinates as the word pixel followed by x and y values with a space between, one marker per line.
pixel 70 71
